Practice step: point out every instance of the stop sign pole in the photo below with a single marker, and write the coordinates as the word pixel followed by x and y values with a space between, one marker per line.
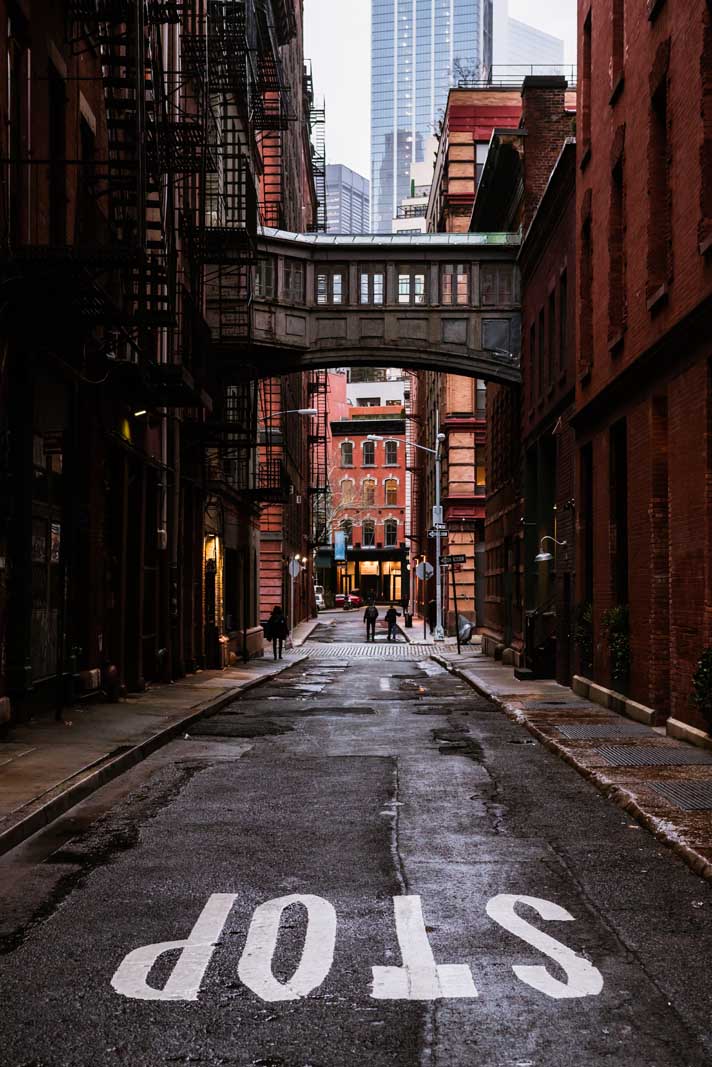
pixel 295 569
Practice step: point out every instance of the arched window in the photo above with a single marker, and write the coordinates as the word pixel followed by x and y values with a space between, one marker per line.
pixel 369 454
pixel 390 529
pixel 347 454
pixel 368 534
pixel 391 487
pixel 391 453
pixel 369 492
pixel 348 528
pixel 347 491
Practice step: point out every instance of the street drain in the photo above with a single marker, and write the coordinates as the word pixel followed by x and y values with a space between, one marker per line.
pixel 649 756
pixel 689 796
pixel 589 732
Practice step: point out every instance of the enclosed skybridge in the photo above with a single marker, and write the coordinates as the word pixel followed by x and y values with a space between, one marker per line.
pixel 442 302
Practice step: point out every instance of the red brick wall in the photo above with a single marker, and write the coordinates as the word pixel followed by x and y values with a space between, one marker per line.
pixel 654 373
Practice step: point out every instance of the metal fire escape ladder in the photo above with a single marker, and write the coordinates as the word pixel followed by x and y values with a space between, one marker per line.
pixel 317 131
pixel 319 488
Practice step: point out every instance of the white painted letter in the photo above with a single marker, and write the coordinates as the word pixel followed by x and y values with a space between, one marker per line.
pixel 419 978
pixel 584 980
pixel 255 967
pixel 195 954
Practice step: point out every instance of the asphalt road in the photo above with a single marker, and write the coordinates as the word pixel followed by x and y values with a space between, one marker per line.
pixel 401 815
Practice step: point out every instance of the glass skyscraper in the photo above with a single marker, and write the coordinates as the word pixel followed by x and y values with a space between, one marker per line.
pixel 418 47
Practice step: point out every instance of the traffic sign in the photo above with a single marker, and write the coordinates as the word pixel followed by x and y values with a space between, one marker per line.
pixel 424 571
pixel 295 568
pixel 437 514
pixel 441 526
pixel 445 561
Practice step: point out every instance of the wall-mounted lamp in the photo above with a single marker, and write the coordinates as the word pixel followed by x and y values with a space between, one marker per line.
pixel 546 557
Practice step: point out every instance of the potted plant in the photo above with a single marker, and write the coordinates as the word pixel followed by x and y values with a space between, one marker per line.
pixel 702 687
pixel 616 628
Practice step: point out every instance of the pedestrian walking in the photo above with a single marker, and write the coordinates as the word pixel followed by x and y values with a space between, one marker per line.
pixel 277 631
pixel 432 615
pixel 369 617
pixel 391 616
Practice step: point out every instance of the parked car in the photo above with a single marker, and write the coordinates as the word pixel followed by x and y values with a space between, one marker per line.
pixel 319 597
pixel 353 600
pixel 339 600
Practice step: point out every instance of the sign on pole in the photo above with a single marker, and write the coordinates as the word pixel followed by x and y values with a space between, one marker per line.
pixel 295 568
pixel 424 571
pixel 446 561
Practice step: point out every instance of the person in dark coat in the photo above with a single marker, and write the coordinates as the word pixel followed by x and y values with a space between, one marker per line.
pixel 432 615
pixel 369 617
pixel 391 616
pixel 277 631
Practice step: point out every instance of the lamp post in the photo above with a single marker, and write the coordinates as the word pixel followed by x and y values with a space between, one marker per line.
pixel 439 632
pixel 546 557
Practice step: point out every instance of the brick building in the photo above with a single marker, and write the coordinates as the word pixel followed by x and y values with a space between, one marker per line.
pixel 368 501
pixel 449 403
pixel 643 301
pixel 528 183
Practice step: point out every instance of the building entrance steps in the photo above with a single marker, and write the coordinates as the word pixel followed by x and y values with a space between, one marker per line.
pixel 662 783
pixel 46 767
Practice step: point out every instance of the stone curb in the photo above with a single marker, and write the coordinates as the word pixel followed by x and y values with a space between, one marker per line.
pixel 622 798
pixel 94 780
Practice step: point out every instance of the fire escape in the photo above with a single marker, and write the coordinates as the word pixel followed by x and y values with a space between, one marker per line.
pixel 318 386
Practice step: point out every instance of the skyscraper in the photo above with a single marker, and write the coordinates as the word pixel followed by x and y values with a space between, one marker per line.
pixel 417 45
pixel 420 48
pixel 347 200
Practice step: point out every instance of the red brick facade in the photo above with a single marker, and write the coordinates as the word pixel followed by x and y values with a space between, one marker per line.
pixel 643 399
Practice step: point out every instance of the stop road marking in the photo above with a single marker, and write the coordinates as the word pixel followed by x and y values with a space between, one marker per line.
pixel 418 978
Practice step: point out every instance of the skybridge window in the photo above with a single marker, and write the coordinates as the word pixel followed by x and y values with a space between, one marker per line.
pixel 454 284
pixel 371 287
pixel 411 285
pixel 330 286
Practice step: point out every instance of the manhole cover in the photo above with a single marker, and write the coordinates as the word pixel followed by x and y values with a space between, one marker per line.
pixel 690 796
pixel 648 756
pixel 605 729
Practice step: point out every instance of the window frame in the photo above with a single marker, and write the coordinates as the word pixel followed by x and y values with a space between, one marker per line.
pixel 368 526
pixel 371 447
pixel 392 447
pixel 375 294
pixel 368 492
pixel 265 284
pixel 411 297
pixel 329 275
pixel 388 525
pixel 344 445
pixel 390 485
pixel 452 272
pixel 290 292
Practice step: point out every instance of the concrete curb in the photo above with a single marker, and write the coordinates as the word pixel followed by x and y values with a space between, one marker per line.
pixel 113 768
pixel 622 798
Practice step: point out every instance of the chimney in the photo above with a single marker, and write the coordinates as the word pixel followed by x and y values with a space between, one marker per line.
pixel 547 126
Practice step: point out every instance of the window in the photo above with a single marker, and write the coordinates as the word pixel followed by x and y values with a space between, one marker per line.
pixel 330 286
pixel 586 90
pixel 369 492
pixel 551 337
pixel 480 396
pixel 368 534
pixel 347 491
pixel 391 453
pixel 616 253
pixel 390 530
pixel 480 470
pixel 369 454
pixel 391 488
pixel 455 284
pixel 347 454
pixel 264 278
pixel 542 353
pixel 586 298
pixel 347 528
pixel 563 319
pixel 294 281
pixel 368 401
pixel 496 284
pixel 618 51
pixel 659 195
pixel 371 287
pixel 411 286
pixel 57 134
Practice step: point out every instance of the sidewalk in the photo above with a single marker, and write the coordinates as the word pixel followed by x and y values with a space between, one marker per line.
pixel 46 767
pixel 420 634
pixel 666 785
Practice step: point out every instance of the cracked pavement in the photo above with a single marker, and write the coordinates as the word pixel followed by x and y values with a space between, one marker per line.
pixel 355 781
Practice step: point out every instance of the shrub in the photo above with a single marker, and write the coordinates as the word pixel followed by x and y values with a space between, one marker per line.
pixel 702 685
pixel 616 627
pixel 583 633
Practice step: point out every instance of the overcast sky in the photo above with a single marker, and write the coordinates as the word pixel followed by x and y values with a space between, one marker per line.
pixel 338 41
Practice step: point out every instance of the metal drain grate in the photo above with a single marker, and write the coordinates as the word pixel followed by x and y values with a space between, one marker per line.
pixel 648 756
pixel 690 796
pixel 591 731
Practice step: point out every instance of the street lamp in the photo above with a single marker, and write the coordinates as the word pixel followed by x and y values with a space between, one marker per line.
pixel 291 411
pixel 439 632
pixel 546 557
